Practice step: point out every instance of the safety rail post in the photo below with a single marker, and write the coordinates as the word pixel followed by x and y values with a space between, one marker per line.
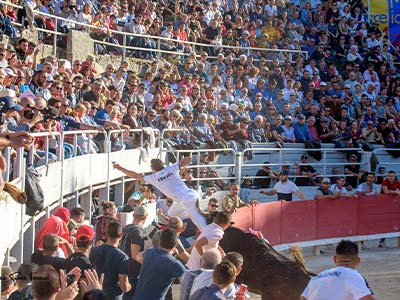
pixel 239 164
pixel 75 144
pixel 141 138
pixel 61 159
pixel 19 166
pixel 158 48
pixel 31 157
pixel 88 142
pixel 324 160
pixel 7 157
pixel 105 194
pixel 124 48
pixel 46 150
pixel 60 147
pixel 122 138
pixel 119 192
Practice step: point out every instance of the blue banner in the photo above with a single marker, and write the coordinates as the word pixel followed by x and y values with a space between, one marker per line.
pixel 394 21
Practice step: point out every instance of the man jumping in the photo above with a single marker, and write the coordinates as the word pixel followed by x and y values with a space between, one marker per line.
pixel 170 183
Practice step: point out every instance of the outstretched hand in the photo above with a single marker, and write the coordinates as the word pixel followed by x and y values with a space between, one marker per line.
pixel 92 282
pixel 69 292
pixel 117 166
pixel 185 161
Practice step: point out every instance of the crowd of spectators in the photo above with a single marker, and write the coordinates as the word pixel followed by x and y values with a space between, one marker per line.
pixel 73 260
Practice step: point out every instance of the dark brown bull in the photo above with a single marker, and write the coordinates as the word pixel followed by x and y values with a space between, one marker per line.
pixel 266 271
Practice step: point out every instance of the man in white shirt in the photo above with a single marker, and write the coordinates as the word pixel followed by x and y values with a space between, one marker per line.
pixel 209 239
pixel 339 188
pixel 369 187
pixel 284 188
pixel 341 282
pixel 169 182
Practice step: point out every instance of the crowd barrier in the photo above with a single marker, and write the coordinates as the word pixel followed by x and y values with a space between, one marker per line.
pixel 300 221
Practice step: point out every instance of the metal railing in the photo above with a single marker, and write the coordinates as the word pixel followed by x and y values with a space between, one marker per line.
pixel 393 162
pixel 124 35
pixel 282 159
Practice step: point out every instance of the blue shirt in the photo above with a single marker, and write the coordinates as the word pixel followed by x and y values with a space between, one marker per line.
pixel 111 261
pixel 301 133
pixel 67 122
pixel 101 117
pixel 211 292
pixel 158 271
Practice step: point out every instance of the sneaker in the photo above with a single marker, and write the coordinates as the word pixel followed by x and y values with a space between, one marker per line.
pixel 382 244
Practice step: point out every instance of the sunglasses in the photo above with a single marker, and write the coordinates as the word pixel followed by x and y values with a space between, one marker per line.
pixel 214 205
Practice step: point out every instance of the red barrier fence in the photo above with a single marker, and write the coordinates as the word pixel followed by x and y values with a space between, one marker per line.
pixel 299 221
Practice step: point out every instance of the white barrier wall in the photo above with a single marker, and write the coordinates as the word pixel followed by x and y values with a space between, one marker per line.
pixel 71 180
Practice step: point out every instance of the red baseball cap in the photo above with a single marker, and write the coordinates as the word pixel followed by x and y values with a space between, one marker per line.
pixel 84 233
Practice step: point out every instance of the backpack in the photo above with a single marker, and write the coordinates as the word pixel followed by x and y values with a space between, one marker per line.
pixel 33 191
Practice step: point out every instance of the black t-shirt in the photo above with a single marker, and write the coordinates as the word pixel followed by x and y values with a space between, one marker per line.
pixel 112 262
pixel 133 234
pixel 80 260
pixel 262 182
pixel 305 181
pixel 352 180
pixel 286 197
pixel 211 33
pixel 40 259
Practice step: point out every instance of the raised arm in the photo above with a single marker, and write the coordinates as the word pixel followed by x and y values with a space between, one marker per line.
pixel 128 173
pixel 185 161
pixel 299 194
pixel 268 193
pixel 200 211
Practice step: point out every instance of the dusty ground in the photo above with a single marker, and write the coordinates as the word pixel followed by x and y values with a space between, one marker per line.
pixel 380 266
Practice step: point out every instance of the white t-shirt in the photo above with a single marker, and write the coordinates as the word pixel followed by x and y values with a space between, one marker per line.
pixel 285 190
pixel 177 209
pixel 335 188
pixel 363 187
pixel 337 283
pixel 213 233
pixel 170 183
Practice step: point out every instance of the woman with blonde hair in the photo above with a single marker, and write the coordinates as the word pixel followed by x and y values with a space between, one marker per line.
pixel 252 78
pixel 85 143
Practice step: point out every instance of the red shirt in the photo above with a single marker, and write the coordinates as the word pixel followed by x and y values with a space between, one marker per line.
pixel 391 186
